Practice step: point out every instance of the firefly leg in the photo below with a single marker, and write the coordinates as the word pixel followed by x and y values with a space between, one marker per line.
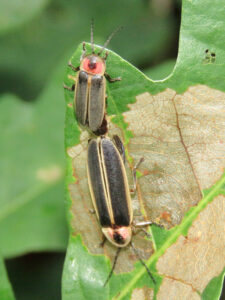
pixel 72 88
pixel 84 50
pixel 107 76
pixel 143 263
pixel 147 223
pixel 119 146
pixel 75 69
pixel 106 55
pixel 103 241
pixel 146 232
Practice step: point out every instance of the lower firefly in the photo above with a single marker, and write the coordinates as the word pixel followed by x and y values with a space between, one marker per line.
pixel 110 193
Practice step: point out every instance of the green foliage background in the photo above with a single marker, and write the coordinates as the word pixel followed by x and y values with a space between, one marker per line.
pixel 36 40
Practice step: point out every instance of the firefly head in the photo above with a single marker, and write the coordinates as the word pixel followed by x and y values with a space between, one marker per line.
pixel 93 64
pixel 120 236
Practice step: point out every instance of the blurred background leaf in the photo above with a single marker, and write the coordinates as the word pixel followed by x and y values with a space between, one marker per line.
pixel 15 13
pixel 6 292
pixel 32 216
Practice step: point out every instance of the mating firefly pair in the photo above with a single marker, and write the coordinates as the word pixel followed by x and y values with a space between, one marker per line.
pixel 107 177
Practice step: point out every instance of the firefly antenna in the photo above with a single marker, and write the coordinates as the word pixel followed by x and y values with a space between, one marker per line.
pixel 109 39
pixel 143 263
pixel 113 267
pixel 92 36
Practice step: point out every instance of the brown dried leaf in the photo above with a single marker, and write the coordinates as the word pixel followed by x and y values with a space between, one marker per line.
pixel 142 294
pixel 194 260
pixel 182 140
pixel 171 289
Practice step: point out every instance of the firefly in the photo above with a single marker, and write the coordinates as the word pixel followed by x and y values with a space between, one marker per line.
pixel 90 88
pixel 110 193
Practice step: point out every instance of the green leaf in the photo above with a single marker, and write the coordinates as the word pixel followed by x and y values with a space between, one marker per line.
pixel 15 13
pixel 161 71
pixel 32 215
pixel 6 292
pixel 214 288
pixel 81 281
pixel 180 133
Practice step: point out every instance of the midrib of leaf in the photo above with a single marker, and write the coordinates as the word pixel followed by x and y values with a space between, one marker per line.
pixel 25 198
pixel 177 231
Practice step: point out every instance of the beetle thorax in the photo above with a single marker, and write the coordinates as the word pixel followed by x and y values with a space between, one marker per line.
pixel 93 64
pixel 120 236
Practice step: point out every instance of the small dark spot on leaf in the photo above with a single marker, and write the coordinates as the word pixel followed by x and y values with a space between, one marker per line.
pixel 210 57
